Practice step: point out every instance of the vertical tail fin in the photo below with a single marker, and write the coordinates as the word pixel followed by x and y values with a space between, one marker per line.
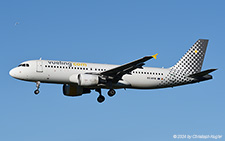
pixel 192 61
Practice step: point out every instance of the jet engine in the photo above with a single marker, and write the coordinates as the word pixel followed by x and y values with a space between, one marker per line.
pixel 88 80
pixel 74 90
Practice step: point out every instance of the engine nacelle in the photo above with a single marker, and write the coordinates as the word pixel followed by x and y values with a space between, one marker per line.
pixel 88 80
pixel 74 90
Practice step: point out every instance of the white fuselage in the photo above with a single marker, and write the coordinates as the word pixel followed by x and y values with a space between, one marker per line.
pixel 61 72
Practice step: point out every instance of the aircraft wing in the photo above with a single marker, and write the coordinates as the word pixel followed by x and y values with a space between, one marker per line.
pixel 116 74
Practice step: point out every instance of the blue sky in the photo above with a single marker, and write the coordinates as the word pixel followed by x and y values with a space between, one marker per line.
pixel 113 32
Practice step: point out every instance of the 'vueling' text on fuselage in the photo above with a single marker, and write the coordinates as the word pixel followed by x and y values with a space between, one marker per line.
pixel 70 64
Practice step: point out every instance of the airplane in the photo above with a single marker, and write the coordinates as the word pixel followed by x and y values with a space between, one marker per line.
pixel 80 78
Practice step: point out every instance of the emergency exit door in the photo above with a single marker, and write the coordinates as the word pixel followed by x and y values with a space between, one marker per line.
pixel 39 67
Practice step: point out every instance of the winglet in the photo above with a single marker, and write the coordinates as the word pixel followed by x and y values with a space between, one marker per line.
pixel 154 56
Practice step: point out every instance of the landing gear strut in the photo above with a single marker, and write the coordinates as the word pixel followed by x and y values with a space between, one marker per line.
pixel 111 92
pixel 100 98
pixel 38 86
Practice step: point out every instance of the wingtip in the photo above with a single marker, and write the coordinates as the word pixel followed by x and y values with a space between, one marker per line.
pixel 154 56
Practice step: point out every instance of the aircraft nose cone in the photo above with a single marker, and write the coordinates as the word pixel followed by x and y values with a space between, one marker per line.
pixel 12 72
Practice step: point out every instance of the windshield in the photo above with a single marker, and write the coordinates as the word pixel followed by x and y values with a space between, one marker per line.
pixel 23 65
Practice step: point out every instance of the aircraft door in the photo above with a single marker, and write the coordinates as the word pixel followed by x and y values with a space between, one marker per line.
pixel 39 67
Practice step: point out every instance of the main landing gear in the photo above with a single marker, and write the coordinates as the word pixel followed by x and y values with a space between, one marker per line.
pixel 111 92
pixel 101 98
pixel 38 86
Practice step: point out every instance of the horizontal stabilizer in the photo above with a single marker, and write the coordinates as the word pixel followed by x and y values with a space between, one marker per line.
pixel 202 73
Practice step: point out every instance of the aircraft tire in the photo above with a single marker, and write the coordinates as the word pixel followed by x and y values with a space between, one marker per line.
pixel 111 92
pixel 36 92
pixel 101 98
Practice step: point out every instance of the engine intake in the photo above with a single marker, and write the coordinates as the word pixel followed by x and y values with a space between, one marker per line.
pixel 74 90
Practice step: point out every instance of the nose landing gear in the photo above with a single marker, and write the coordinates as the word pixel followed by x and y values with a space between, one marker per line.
pixel 37 86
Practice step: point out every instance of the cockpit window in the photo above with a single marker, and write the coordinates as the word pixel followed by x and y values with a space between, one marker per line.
pixel 23 65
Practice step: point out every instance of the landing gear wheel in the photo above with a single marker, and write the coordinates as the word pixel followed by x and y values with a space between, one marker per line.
pixel 36 92
pixel 111 92
pixel 101 98
pixel 38 86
